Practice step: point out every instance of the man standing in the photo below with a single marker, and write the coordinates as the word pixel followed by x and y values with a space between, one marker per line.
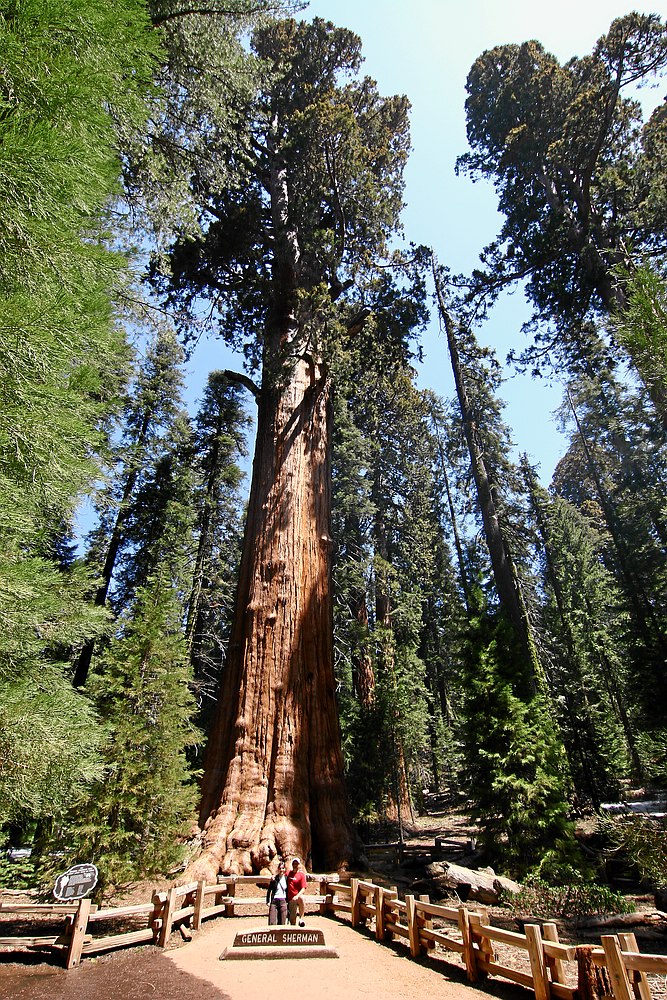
pixel 296 888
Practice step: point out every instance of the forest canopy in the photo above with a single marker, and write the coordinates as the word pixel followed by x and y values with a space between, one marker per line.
pixel 390 604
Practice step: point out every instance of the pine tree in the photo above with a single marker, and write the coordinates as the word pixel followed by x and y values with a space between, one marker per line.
pixel 152 405
pixel 515 770
pixel 585 647
pixel 613 472
pixel 135 818
pixel 75 76
pixel 217 445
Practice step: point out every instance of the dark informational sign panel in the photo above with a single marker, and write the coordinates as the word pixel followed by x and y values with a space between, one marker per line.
pixel 75 883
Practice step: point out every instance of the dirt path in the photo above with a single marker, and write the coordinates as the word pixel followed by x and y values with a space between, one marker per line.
pixel 364 969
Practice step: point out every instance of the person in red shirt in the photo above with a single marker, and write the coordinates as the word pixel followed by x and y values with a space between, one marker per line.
pixel 296 888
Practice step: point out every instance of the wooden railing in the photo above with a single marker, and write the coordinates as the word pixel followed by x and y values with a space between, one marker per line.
pixel 558 971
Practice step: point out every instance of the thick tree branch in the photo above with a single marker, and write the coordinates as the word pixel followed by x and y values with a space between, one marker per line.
pixel 240 379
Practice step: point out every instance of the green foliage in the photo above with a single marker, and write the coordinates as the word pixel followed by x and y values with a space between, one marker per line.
pixel 73 77
pixel 50 745
pixel 576 898
pixel 218 444
pixel 133 821
pixel 580 177
pixel 641 327
pixel 653 751
pixel 341 148
pixel 515 769
pixel 614 472
pixel 585 639
pixel 18 874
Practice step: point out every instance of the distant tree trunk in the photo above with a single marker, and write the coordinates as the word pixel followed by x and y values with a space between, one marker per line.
pixel 362 665
pixel 85 658
pixel 399 804
pixel 504 573
pixel 273 782
pixel 463 575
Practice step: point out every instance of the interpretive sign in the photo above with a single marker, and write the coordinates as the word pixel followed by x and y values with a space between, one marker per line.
pixel 76 882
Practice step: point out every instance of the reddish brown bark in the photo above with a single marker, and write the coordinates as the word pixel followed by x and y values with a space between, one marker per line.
pixel 362 667
pixel 273 780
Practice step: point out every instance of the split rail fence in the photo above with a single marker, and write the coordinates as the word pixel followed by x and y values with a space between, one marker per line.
pixel 558 971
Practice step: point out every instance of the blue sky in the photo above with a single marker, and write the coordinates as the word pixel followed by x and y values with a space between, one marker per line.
pixel 424 48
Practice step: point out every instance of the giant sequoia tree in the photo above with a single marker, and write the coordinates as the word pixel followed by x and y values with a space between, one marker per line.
pixel 319 172
pixel 580 177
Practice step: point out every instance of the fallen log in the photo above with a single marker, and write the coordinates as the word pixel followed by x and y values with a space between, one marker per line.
pixel 651 919
pixel 482 885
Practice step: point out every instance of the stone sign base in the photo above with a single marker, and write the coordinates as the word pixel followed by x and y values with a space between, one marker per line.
pixel 279 942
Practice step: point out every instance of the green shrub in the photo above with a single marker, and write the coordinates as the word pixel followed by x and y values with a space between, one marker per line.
pixel 19 874
pixel 576 899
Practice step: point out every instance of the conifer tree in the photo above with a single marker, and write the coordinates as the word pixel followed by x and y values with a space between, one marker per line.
pixel 613 473
pixel 151 406
pixel 74 77
pixel 316 196
pixel 218 444
pixel 584 636
pixel 134 819
pixel 515 770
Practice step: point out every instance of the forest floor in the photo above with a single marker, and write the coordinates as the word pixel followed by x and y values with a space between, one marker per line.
pixel 364 968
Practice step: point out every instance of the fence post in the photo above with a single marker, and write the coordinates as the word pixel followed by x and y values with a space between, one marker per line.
pixel 230 890
pixel 324 892
pixel 413 926
pixel 200 897
pixel 167 917
pixel 378 900
pixel 427 922
pixel 78 934
pixel 387 894
pixel 538 968
pixel 478 921
pixel 158 899
pixel 468 948
pixel 639 979
pixel 557 965
pixel 618 974
pixel 361 901
pixel 354 901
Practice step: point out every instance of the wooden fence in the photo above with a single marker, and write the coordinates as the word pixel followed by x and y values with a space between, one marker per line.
pixel 558 971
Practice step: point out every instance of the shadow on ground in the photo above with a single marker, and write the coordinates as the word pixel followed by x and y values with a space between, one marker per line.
pixel 137 975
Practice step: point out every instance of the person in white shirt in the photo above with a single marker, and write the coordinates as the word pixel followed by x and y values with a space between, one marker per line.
pixel 276 896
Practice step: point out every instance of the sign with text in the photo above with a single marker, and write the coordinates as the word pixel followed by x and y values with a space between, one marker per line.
pixel 280 936
pixel 75 883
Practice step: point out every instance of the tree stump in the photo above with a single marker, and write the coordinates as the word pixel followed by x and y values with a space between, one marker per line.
pixel 593 980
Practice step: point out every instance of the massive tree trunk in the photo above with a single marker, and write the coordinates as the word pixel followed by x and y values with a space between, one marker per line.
pixel 273 781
